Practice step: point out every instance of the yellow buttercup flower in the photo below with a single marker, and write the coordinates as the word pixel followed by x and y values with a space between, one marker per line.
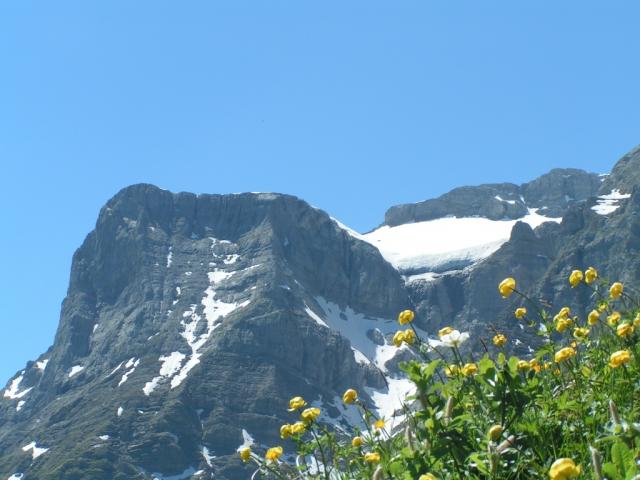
pixel 616 290
pixel 564 469
pixel 273 454
pixel 593 317
pixel 298 428
pixel 564 312
pixel 406 316
pixel 372 457
pixel 296 403
pixel 451 370
pixel 520 312
pixel 523 365
pixel 379 424
pixel 624 330
pixel 310 414
pixel 428 476
pixel 563 323
pixel 469 369
pixel 409 336
pixel 499 340
pixel 350 396
pixel 444 331
pixel 620 357
pixel 506 287
pixel 575 278
pixel 495 432
pixel 398 338
pixel 590 275
pixel 564 354
pixel 285 431
pixel 613 319
pixel 357 442
pixel 535 365
pixel 245 454
pixel 580 333
pixel 602 306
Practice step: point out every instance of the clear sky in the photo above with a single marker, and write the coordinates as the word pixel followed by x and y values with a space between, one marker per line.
pixel 352 105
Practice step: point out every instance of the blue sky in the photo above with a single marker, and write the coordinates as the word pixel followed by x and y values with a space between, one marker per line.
pixel 354 106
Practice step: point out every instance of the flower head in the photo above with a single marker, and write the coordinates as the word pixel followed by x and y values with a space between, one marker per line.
pixel 580 333
pixel 357 442
pixel 445 331
pixel 575 278
pixel 469 369
pixel 563 323
pixel 506 287
pixel 499 340
pixel 621 357
pixel 406 316
pixel 451 370
pixel 285 431
pixel 409 336
pixel 273 454
pixel 616 290
pixel 564 469
pixel 495 432
pixel 310 414
pixel 564 354
pixel 350 396
pixel 520 312
pixel 398 338
pixel 245 454
pixel 298 428
pixel 593 317
pixel 613 319
pixel 624 330
pixel 454 339
pixel 379 424
pixel 296 403
pixel 372 457
pixel 523 365
pixel 590 275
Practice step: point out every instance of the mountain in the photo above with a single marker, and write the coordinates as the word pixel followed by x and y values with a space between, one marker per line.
pixel 190 320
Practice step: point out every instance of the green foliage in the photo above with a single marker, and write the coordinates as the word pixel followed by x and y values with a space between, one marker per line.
pixel 500 417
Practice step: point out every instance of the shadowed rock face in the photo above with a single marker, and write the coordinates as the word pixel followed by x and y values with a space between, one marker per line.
pixel 190 318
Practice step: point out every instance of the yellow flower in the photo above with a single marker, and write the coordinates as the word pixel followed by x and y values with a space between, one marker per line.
pixel 624 330
pixel 602 306
pixel 506 287
pixel 296 403
pixel 616 290
pixel 636 321
pixel 298 428
pixel 469 369
pixel 593 317
pixel 451 370
pixel 357 442
pixel 409 336
pixel 310 414
pixel 273 454
pixel 590 275
pixel 564 312
pixel 580 333
pixel 372 457
pixel 520 312
pixel 563 323
pixel 564 469
pixel 428 476
pixel 379 424
pixel 499 340
pixel 495 432
pixel 285 431
pixel 398 338
pixel 406 316
pixel 445 331
pixel 350 396
pixel 564 354
pixel 620 357
pixel 613 319
pixel 575 278
pixel 535 365
pixel 245 454
pixel 523 365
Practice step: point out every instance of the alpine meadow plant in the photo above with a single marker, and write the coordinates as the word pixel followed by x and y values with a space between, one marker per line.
pixel 569 410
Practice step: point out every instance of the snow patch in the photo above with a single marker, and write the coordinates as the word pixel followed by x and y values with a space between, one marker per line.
pixel 247 440
pixel 606 204
pixel 119 411
pixel 207 456
pixel 131 365
pixel 500 199
pixel 35 450
pixel 75 370
pixel 13 392
pixel 170 366
pixel 180 476
pixel 20 405
pixel 16 476
pixel 42 364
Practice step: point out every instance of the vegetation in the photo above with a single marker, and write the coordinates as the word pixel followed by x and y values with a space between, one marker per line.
pixel 571 410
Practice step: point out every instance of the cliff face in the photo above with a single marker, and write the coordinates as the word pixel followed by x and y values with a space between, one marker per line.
pixel 190 320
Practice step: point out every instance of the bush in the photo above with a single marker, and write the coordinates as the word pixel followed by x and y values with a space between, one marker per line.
pixel 570 410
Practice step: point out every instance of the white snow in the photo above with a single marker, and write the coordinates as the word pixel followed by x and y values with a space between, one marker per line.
pixel 170 257
pixel 444 243
pixel 13 391
pixel 75 370
pixel 95 327
pixel 119 411
pixel 180 476
pixel 42 364
pixel 207 456
pixel 131 365
pixel 170 366
pixel 360 357
pixel 500 199
pixel 35 450
pixel 115 369
pixel 104 437
pixel 609 203
pixel 387 401
pixel 350 231
pixel 16 476
pixel 247 440
pixel 20 405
